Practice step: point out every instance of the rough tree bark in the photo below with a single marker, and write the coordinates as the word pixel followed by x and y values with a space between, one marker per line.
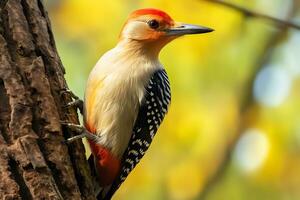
pixel 34 162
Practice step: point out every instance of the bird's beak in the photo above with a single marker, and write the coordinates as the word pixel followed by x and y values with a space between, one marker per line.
pixel 180 29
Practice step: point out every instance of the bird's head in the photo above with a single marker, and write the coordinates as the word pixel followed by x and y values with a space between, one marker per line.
pixel 153 26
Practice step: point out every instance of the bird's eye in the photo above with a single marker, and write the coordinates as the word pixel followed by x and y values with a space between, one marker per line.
pixel 154 24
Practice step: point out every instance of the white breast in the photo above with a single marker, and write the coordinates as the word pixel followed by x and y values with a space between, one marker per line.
pixel 114 91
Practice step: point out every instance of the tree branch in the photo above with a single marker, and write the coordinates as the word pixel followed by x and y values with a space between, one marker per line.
pixel 250 13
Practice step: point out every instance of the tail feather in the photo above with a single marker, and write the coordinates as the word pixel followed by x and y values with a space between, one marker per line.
pixel 100 192
pixel 97 188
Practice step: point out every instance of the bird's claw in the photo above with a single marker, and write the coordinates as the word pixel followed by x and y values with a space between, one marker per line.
pixel 68 91
pixel 82 132
pixel 74 127
pixel 77 103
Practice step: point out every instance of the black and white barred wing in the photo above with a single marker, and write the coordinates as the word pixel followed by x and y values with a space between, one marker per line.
pixel 151 113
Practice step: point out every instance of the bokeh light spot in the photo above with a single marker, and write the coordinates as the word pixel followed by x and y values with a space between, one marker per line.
pixel 272 86
pixel 251 150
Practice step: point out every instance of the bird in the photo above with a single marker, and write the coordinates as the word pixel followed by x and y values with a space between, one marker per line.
pixel 128 94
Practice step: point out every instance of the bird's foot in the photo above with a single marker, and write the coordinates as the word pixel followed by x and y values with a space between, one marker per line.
pixel 81 130
pixel 76 103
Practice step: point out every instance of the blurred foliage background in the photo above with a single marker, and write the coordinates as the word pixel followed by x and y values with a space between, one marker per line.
pixel 233 129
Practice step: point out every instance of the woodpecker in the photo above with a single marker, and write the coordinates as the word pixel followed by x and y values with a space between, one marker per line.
pixel 128 94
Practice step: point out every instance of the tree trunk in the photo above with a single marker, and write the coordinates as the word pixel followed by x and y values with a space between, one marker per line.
pixel 34 161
